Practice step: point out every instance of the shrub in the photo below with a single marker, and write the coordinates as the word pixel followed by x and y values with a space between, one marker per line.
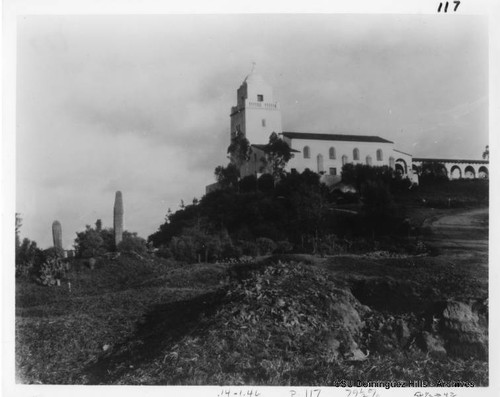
pixel 378 207
pixel 331 245
pixel 265 183
pixel 51 270
pixel 24 269
pixel 266 245
pixel 249 248
pixel 164 252
pixel 133 243
pixel 53 253
pixel 282 247
pixel 229 250
pixel 195 244
pixel 89 243
pixel 29 258
pixel 248 184
pixel 432 172
pixel 183 249
pixel 362 245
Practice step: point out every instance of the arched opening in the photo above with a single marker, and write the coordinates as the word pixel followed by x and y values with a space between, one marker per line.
pixel 455 172
pixel 307 152
pixel 355 154
pixel 483 172
pixel 401 165
pixel 319 159
pixel 399 169
pixel 469 172
pixel 380 155
pixel 344 159
pixel 368 160
pixel 331 153
pixel 414 169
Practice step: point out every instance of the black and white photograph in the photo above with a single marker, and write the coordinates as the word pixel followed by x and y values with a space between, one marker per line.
pixel 261 204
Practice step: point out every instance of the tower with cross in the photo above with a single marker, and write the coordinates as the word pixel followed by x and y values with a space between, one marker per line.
pixel 256 113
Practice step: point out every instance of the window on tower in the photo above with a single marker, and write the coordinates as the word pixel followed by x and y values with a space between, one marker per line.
pixel 260 98
pixel 263 122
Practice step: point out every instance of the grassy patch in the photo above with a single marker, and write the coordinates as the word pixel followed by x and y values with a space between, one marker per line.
pixel 59 332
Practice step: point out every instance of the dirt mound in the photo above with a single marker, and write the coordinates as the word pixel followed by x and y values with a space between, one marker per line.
pixel 272 326
pixel 294 323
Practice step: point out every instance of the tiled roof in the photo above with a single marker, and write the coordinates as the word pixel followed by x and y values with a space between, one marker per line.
pixel 459 161
pixel 264 148
pixel 335 137
pixel 399 151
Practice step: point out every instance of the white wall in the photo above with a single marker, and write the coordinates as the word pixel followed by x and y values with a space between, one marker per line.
pixel 257 133
pixel 341 148
pixel 256 117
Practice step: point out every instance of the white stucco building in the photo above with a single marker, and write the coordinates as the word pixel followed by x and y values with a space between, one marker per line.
pixel 257 115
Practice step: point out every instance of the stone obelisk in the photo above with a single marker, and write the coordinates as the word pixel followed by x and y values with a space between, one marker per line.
pixel 118 218
pixel 57 234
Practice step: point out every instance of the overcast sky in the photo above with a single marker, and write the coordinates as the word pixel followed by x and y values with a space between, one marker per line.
pixel 141 103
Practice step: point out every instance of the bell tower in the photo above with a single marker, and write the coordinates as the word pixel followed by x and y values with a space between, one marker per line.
pixel 256 113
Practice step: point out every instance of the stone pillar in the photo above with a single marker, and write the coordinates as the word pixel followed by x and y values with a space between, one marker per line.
pixel 57 234
pixel 118 218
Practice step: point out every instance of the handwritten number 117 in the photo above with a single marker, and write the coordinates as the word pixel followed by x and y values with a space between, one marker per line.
pixel 457 3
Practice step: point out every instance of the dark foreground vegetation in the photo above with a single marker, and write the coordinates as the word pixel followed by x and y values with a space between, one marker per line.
pixel 267 282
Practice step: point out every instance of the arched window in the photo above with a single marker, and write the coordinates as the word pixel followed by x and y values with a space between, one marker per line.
pixel 320 163
pixel 380 156
pixel 392 162
pixel 344 159
pixel 355 154
pixel 331 153
pixel 307 152
pixel 368 160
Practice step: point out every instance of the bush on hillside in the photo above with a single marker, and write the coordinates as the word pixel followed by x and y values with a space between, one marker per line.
pixel 248 184
pixel 249 248
pixel 132 243
pixel 51 271
pixel 283 247
pixel 164 252
pixel 197 245
pixel 265 183
pixel 266 245
pixel 378 208
pixel 431 172
pixel 93 242
pixel 28 258
pixel 89 243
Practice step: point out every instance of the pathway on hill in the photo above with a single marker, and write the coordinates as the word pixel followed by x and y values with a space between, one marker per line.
pixel 467 230
pixel 462 239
